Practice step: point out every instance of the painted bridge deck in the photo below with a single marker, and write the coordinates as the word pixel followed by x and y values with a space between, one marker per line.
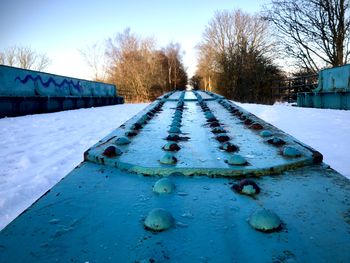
pixel 200 151
pixel 97 212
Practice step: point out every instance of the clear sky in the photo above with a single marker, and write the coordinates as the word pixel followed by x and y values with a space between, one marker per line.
pixel 60 28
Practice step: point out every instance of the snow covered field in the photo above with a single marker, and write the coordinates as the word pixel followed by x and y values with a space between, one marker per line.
pixel 37 151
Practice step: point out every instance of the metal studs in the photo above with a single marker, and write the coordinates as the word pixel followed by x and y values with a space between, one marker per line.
pixel 229 147
pixel 218 130
pixel 243 117
pixel 256 126
pixel 163 186
pixel 168 158
pixel 291 152
pixel 136 126
pixel 171 146
pixel 214 124
pixel 276 141
pixel 222 137
pixel 247 187
pixel 237 159
pixel 174 129
pixel 173 137
pixel 248 122
pixel 122 141
pixel 265 220
pixel 131 133
pixel 265 133
pixel 112 151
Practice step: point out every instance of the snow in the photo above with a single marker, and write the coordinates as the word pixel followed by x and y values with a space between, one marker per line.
pixel 36 151
pixel 327 131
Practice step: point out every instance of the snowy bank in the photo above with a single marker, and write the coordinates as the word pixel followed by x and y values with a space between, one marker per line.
pixel 36 151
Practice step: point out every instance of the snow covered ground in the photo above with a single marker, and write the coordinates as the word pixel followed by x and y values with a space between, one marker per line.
pixel 36 151
pixel 327 131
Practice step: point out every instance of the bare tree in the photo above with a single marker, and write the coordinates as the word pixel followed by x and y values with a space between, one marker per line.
pixel 234 56
pixel 24 57
pixel 94 56
pixel 141 71
pixel 315 33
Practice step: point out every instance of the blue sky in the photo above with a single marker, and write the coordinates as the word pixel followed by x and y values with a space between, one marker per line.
pixel 60 28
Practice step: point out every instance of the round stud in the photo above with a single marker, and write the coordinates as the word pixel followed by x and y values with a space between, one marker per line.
pixel 236 159
pixel 168 158
pixel 122 141
pixel 136 126
pixel 229 147
pixel 174 129
pixel 177 119
pixel 178 114
pixel 256 126
pixel 214 124
pixel 142 120
pixel 131 133
pixel 265 133
pixel 265 220
pixel 176 123
pixel 276 141
pixel 112 151
pixel 171 147
pixel 222 137
pixel 211 119
pixel 248 122
pixel 291 152
pixel 218 130
pixel 173 137
pixel 247 187
pixel 163 186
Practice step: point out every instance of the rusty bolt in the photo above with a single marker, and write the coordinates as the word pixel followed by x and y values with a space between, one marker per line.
pixel 248 122
pixel 222 137
pixel 112 151
pixel 256 126
pixel 247 187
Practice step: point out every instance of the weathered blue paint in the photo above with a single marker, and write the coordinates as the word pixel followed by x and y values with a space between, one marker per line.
pixel 98 212
pixel 29 92
pixel 333 91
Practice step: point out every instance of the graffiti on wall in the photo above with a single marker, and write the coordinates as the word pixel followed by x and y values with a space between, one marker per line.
pixel 46 84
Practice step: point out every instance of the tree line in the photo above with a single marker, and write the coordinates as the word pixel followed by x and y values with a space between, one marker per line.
pixel 238 51
pixel 24 57
pixel 139 69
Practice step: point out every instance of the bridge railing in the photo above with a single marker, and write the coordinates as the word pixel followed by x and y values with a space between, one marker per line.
pixel 287 89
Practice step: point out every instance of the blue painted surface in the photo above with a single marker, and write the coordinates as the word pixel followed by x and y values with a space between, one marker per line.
pixel 30 92
pixel 22 82
pixel 202 143
pixel 97 212
pixel 333 91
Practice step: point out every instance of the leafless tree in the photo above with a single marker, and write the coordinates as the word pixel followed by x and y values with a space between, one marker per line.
pixel 315 33
pixel 139 69
pixel 94 55
pixel 234 56
pixel 175 70
pixel 24 57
